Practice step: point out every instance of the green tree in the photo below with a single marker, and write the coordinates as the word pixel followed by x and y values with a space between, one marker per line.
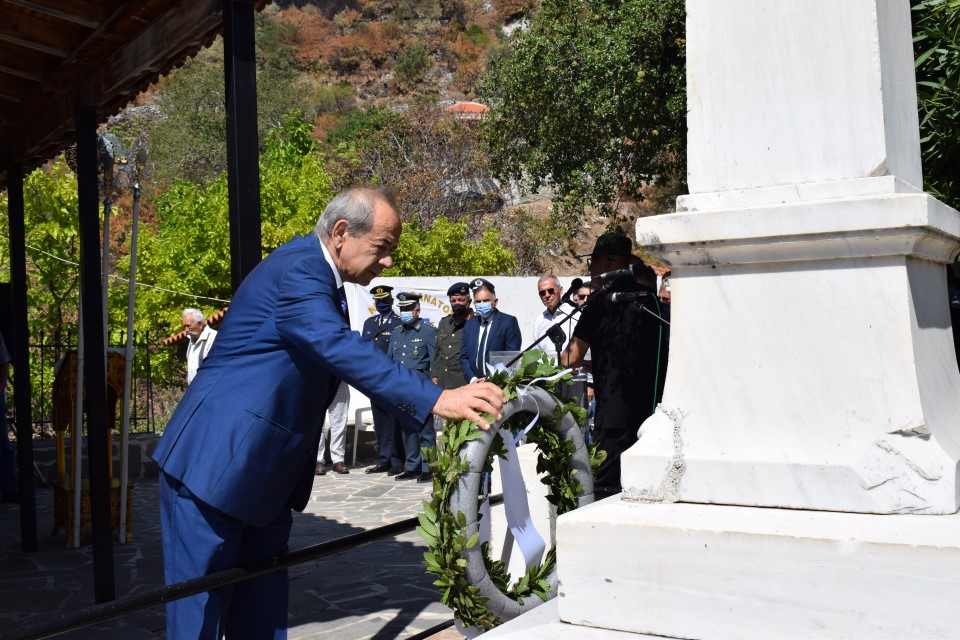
pixel 51 221
pixel 189 250
pixel 591 102
pixel 444 249
pixel 53 247
pixel 411 64
pixel 188 140
pixel 936 26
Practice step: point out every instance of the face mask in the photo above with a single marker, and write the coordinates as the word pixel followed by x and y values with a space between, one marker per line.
pixel 406 317
pixel 484 308
pixel 459 310
pixel 384 307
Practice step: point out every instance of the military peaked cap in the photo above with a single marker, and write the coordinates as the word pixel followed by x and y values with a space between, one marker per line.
pixel 481 282
pixel 406 299
pixel 381 292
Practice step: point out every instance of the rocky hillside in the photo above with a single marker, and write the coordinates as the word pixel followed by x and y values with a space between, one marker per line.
pixel 393 51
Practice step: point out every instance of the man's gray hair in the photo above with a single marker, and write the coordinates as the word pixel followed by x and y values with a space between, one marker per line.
pixel 555 279
pixel 355 206
pixel 196 314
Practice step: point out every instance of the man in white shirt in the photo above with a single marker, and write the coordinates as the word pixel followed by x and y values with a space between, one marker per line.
pixel 550 293
pixel 201 340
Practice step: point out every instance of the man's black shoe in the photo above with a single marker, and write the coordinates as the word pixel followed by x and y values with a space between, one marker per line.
pixel 408 475
pixel 394 471
pixel 426 476
pixel 380 468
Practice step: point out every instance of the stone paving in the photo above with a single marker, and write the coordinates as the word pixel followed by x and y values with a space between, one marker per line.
pixel 378 591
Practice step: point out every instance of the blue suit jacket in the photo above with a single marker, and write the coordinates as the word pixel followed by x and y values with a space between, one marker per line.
pixel 244 437
pixel 504 336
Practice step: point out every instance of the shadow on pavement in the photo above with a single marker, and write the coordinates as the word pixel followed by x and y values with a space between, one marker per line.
pixel 378 591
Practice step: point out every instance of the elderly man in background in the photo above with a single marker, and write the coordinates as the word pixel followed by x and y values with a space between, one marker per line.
pixel 201 338
pixel 489 330
pixel 238 454
pixel 550 292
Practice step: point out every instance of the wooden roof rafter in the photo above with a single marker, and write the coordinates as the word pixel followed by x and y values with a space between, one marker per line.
pixel 56 55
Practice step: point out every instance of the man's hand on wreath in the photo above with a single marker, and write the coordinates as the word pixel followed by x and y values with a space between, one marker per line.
pixel 470 401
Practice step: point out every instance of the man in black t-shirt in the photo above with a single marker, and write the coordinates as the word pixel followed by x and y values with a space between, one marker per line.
pixel 629 352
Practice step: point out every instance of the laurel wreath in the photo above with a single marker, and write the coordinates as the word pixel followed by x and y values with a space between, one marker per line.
pixel 444 528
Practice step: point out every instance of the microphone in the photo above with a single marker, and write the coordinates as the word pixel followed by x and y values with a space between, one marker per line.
pixel 574 287
pixel 628 296
pixel 557 337
pixel 627 272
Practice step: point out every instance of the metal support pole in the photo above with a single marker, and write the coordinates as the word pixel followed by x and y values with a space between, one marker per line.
pixel 128 365
pixel 243 168
pixel 20 350
pixel 95 371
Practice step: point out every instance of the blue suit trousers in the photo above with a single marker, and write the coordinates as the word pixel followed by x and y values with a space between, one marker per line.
pixel 199 540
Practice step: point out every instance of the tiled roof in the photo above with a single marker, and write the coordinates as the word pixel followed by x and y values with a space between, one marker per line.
pixel 467 110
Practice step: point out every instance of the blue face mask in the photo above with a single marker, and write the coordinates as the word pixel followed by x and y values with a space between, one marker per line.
pixel 483 308
pixel 406 317
pixel 383 307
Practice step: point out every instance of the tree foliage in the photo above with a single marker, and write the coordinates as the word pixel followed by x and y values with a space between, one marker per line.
pixel 591 102
pixel 444 249
pixel 188 141
pixel 53 240
pixel 937 51
pixel 189 250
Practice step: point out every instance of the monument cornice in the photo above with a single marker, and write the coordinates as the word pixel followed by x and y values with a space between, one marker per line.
pixel 883 225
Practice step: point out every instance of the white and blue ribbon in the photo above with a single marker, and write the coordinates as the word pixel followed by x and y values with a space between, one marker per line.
pixel 515 504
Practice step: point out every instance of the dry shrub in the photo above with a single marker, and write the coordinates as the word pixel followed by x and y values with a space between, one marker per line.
pixel 323 124
pixel 313 31
pixel 467 76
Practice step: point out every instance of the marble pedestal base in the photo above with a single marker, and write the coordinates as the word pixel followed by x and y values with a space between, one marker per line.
pixel 711 571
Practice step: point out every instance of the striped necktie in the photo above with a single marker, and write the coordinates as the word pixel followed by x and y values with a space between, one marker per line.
pixel 482 348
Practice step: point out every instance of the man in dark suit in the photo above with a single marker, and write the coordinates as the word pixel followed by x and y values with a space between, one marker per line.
pixel 379 328
pixel 239 452
pixel 488 330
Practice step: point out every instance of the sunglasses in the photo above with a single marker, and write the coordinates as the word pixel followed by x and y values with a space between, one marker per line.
pixel 583 296
pixel 547 292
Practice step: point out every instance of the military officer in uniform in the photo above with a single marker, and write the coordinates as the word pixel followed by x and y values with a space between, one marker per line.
pixel 412 345
pixel 379 328
pixel 445 370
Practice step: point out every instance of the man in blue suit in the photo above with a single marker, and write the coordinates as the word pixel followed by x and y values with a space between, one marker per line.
pixel 239 452
pixel 488 330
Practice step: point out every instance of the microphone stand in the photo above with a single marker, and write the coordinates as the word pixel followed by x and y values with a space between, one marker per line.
pixel 651 312
pixel 645 309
